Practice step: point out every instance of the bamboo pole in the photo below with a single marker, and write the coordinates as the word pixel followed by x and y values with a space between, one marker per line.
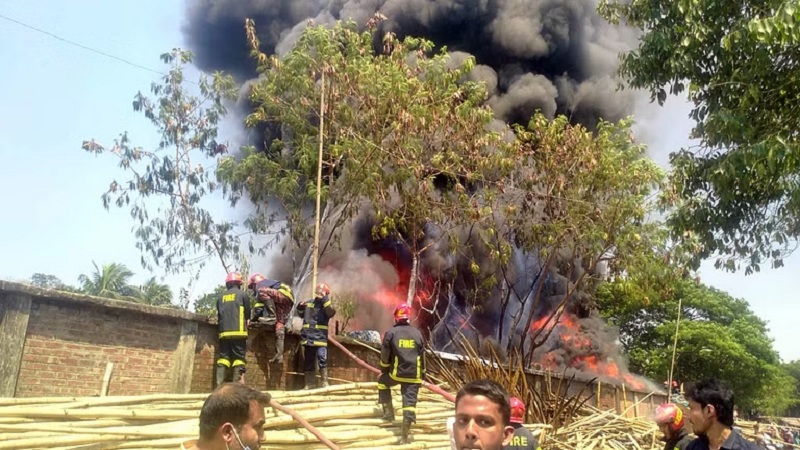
pixel 319 183
pixel 674 350
pixel 106 379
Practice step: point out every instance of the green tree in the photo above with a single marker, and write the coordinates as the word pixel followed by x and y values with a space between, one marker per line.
pixel 792 369
pixel 110 280
pixel 718 336
pixel 154 293
pixel 404 136
pixel 207 304
pixel 407 137
pixel 736 195
pixel 178 173
pixel 580 201
pixel 46 281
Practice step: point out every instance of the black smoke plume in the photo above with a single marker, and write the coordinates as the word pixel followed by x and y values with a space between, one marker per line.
pixel 558 56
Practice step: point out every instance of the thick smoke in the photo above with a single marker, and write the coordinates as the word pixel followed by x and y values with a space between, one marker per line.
pixel 557 56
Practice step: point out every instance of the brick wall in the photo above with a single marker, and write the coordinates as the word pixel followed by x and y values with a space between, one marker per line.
pixel 66 351
pixel 58 344
pixel 204 359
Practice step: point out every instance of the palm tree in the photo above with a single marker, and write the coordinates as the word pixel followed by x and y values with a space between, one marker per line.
pixel 109 281
pixel 154 293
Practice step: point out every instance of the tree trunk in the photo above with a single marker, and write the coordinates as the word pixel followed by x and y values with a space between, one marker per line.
pixel 412 280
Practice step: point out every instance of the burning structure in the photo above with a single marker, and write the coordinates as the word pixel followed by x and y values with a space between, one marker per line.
pixel 557 57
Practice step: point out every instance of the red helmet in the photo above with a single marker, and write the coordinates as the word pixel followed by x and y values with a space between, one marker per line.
pixel 402 312
pixel 255 279
pixel 517 410
pixel 323 289
pixel 233 277
pixel 669 414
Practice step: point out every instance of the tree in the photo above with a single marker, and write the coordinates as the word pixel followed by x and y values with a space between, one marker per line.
pixel 154 293
pixel 737 194
pixel 398 130
pixel 46 281
pixel 579 202
pixel 408 138
pixel 718 336
pixel 792 369
pixel 207 304
pixel 110 280
pixel 183 233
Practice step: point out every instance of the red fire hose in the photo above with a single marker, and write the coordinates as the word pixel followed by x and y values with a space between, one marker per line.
pixel 362 363
pixel 297 417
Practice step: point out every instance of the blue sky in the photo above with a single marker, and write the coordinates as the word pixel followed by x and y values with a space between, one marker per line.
pixel 55 95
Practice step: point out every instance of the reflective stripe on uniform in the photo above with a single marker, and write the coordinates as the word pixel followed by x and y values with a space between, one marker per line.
pixel 383 364
pixel 233 334
pixel 410 408
pixel 258 305
pixel 394 376
pixel 287 291
pixel 239 362
pixel 316 327
pixel 326 304
pixel 223 362
pixel 382 387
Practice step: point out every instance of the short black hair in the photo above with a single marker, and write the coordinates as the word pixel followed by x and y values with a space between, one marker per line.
pixel 229 402
pixel 714 392
pixel 491 390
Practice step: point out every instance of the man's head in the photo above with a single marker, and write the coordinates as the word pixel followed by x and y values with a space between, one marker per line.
pixel 233 417
pixel 710 401
pixel 483 417
pixel 670 420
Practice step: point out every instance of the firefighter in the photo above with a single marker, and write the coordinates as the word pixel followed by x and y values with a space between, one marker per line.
pixel 233 307
pixel 670 419
pixel 314 336
pixel 402 362
pixel 523 439
pixel 274 301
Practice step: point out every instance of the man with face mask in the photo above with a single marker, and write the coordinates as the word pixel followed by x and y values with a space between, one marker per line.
pixel 711 416
pixel 232 418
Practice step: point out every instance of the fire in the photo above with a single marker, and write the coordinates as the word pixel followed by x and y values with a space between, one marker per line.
pixel 577 350
pixel 389 298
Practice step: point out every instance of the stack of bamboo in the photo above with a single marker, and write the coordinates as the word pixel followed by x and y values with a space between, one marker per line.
pixel 347 414
pixel 606 430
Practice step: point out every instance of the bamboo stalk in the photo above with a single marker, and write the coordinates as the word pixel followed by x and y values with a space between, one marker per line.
pixel 106 379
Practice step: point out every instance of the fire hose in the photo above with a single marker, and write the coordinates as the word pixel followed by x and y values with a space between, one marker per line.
pixel 362 363
pixel 299 419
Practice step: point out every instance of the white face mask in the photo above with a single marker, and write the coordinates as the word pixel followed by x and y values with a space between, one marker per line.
pixel 241 444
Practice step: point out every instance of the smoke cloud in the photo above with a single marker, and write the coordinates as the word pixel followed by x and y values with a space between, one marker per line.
pixel 558 56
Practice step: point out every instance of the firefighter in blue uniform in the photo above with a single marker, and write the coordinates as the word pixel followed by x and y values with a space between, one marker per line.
pixel 314 336
pixel 402 362
pixel 274 301
pixel 233 309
